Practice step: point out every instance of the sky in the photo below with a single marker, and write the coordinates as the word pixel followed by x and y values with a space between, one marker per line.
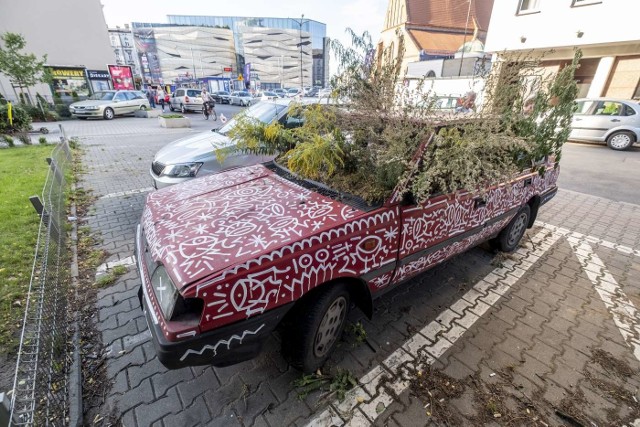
pixel 359 15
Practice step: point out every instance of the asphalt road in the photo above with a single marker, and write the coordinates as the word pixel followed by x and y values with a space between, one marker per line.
pixel 599 171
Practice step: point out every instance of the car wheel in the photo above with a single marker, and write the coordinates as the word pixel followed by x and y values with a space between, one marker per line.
pixel 82 118
pixel 171 108
pixel 182 109
pixel 317 324
pixel 620 141
pixel 108 113
pixel 143 108
pixel 510 236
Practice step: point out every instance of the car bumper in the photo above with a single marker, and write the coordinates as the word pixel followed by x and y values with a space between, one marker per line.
pixel 92 113
pixel 193 107
pixel 165 181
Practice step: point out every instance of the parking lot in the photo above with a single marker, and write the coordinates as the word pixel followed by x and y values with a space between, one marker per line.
pixel 546 336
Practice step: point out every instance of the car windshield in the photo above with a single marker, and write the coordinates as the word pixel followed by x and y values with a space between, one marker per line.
pixel 102 96
pixel 264 111
pixel 293 90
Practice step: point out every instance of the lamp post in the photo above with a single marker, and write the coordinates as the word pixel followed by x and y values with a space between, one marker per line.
pixel 193 64
pixel 300 22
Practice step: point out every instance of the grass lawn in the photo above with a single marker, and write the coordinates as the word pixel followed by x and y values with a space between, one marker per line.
pixel 22 174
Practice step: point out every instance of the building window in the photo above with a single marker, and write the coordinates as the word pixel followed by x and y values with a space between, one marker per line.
pixel 528 6
pixel 577 3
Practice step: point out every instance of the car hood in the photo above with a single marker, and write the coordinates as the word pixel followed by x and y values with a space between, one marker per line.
pixel 192 148
pixel 89 103
pixel 201 227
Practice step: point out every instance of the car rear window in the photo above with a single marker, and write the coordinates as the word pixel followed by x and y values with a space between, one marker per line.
pixel 193 93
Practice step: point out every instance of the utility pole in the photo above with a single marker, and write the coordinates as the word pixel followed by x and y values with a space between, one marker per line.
pixel 466 26
pixel 300 23
pixel 193 64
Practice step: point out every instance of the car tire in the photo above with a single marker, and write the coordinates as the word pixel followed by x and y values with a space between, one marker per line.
pixel 108 113
pixel 82 118
pixel 621 141
pixel 317 323
pixel 143 108
pixel 510 236
pixel 182 109
pixel 171 108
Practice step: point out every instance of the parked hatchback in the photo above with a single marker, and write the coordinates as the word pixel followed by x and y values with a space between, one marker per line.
pixel 610 120
pixel 110 103
pixel 185 99
pixel 221 97
pixel 241 98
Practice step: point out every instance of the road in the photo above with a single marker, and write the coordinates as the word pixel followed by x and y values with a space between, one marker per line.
pixel 597 170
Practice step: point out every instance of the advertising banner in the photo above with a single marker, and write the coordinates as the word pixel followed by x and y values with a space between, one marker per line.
pixel 247 75
pixel 69 80
pixel 122 77
pixel 99 79
pixel 145 42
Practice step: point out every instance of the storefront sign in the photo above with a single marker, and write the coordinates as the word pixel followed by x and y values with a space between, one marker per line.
pixel 122 77
pixel 98 75
pixel 69 81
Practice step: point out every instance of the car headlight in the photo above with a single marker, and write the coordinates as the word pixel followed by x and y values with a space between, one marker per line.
pixel 165 291
pixel 92 108
pixel 182 170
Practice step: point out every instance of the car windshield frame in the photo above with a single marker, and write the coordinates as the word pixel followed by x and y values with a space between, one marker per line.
pixel 265 112
pixel 101 95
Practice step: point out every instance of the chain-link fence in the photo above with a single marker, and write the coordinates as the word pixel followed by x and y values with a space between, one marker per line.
pixel 40 385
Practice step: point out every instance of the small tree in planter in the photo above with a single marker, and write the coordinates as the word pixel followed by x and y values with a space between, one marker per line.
pixel 368 148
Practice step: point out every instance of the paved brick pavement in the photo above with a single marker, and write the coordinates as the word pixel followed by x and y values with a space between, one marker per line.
pixel 534 319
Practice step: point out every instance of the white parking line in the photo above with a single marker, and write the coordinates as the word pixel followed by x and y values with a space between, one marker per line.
pixel 126 193
pixel 454 321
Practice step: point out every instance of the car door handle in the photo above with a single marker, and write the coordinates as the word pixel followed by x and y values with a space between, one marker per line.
pixel 615 120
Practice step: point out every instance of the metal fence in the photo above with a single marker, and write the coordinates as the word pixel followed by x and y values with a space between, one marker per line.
pixel 40 386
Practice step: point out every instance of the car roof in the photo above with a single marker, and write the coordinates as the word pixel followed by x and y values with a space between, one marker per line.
pixel 603 98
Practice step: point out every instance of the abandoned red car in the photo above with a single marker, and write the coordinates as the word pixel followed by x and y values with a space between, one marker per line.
pixel 225 258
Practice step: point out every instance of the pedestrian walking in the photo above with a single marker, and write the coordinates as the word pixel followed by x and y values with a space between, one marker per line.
pixel 160 96
pixel 151 96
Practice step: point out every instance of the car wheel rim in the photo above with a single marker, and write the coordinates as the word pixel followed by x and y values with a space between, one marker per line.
pixel 517 230
pixel 620 141
pixel 329 327
pixel 109 114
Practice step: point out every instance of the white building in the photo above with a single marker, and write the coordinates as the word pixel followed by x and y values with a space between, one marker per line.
pixel 605 30
pixel 72 33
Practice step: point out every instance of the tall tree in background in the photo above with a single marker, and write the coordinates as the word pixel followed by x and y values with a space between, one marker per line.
pixel 24 69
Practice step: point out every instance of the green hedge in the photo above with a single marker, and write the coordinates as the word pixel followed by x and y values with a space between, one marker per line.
pixel 21 119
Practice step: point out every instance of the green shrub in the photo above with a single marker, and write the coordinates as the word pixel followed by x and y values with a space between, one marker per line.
pixel 21 119
pixel 42 140
pixel 63 110
pixel 8 140
pixel 24 138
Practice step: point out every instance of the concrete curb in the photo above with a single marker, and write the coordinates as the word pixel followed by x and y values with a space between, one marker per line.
pixel 75 371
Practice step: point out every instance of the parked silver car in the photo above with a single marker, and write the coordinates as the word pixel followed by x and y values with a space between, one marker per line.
pixel 110 103
pixel 610 120
pixel 184 99
pixel 242 98
pixel 195 156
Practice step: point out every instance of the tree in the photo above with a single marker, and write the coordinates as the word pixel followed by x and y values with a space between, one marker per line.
pixel 24 69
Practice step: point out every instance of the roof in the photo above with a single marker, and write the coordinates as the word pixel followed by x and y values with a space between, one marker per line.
pixel 434 41
pixel 449 13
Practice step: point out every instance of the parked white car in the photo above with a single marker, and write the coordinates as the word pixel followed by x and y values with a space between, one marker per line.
pixel 184 99
pixel 610 120
pixel 242 98
pixel 268 96
pixel 110 103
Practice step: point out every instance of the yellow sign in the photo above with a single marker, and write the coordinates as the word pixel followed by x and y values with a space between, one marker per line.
pixel 63 72
pixel 10 113
pixel 240 77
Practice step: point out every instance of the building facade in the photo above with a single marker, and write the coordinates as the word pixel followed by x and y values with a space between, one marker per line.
pixel 273 52
pixel 72 33
pixel 431 29
pixel 605 31
pixel 124 49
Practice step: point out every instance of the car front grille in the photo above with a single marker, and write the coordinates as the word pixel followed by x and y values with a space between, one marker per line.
pixel 157 168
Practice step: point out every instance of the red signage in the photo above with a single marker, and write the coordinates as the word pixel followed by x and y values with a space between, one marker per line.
pixel 228 69
pixel 122 77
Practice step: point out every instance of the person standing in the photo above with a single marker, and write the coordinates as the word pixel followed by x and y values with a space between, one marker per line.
pixel 160 96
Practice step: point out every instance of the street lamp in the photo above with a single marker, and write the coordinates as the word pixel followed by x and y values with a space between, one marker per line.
pixel 300 22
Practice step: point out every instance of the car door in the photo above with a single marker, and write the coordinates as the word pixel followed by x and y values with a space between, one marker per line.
pixel 132 103
pixel 581 118
pixel 604 116
pixel 175 98
pixel 120 104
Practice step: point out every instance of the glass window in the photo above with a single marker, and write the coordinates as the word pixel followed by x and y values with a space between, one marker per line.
pixel 628 111
pixel 583 107
pixel 193 92
pixel 527 6
pixel 120 96
pixel 102 96
pixel 585 2
pixel 129 95
pixel 609 108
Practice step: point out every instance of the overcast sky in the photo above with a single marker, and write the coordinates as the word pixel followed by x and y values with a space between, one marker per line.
pixel 359 15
